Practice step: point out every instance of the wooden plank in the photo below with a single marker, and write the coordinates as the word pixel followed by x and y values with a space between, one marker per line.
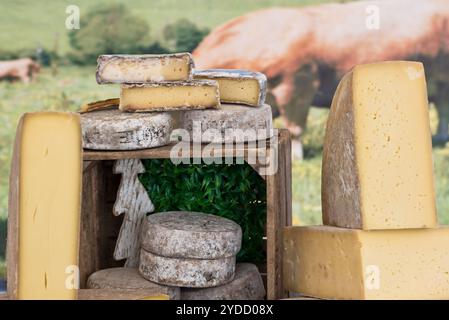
pixel 121 294
pixel 4 296
pixel 277 212
pixel 160 153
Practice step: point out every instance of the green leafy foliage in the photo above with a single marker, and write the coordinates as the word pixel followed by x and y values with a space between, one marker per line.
pixel 184 35
pixel 233 191
pixel 107 29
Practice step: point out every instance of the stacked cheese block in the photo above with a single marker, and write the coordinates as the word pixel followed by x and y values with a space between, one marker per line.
pixel 154 85
pixel 187 255
pixel 381 238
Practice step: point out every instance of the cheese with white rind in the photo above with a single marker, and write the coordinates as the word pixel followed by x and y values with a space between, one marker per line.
pixel 129 278
pixel 193 273
pixel 247 285
pixel 188 95
pixel 44 207
pixel 145 68
pixel 230 123
pixel 237 86
pixel 340 263
pixel 377 154
pixel 193 235
pixel 116 130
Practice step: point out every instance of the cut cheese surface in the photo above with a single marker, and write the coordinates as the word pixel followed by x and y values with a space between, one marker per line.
pixel 377 158
pixel 49 202
pixel 198 94
pixel 144 68
pixel 237 86
pixel 339 263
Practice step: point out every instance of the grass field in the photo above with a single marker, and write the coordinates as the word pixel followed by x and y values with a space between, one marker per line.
pixel 73 86
pixel 30 24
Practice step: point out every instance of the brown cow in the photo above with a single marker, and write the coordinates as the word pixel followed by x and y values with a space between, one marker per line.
pixel 23 69
pixel 305 51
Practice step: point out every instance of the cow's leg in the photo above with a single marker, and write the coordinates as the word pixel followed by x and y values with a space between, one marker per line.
pixel 442 105
pixel 294 96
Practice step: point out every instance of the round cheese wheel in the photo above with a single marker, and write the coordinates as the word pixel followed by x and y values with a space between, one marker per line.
pixel 194 273
pixel 116 130
pixel 194 235
pixel 247 285
pixel 128 278
pixel 230 123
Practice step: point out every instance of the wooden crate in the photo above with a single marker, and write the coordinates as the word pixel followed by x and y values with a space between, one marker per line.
pixel 99 227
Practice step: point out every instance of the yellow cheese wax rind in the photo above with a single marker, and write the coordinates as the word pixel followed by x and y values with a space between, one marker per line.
pixel 197 94
pixel 49 205
pixel 338 263
pixel 377 159
pixel 144 68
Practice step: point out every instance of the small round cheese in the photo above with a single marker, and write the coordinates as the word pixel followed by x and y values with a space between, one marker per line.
pixel 193 273
pixel 247 285
pixel 193 235
pixel 128 278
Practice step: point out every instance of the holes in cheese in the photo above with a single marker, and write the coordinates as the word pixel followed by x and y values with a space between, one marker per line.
pixel 339 263
pixel 144 68
pixel 377 157
pixel 44 213
pixel 237 86
pixel 198 94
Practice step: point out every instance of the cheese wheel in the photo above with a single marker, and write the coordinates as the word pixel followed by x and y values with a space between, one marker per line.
pixel 193 235
pixel 247 285
pixel 230 123
pixel 116 130
pixel 128 279
pixel 195 273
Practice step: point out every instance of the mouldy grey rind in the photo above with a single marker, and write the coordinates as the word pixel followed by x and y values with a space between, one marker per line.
pixel 105 59
pixel 193 273
pixel 230 123
pixel 116 130
pixel 247 285
pixel 193 235
pixel 236 74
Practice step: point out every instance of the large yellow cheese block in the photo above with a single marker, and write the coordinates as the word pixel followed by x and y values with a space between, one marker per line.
pixel 44 210
pixel 377 157
pixel 339 263
pixel 197 94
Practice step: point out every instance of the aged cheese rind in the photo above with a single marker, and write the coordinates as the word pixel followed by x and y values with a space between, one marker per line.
pixel 230 123
pixel 144 68
pixel 247 285
pixel 237 86
pixel 196 94
pixel 377 159
pixel 45 203
pixel 339 263
pixel 129 278
pixel 194 235
pixel 116 130
pixel 194 273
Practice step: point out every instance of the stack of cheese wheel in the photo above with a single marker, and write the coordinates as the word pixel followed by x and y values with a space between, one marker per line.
pixel 189 249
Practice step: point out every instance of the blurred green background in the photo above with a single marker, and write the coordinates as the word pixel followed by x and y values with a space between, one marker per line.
pixel 38 29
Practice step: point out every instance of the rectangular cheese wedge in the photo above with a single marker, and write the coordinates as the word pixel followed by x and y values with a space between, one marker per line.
pixel 44 207
pixel 124 68
pixel 237 86
pixel 197 94
pixel 377 157
pixel 338 263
